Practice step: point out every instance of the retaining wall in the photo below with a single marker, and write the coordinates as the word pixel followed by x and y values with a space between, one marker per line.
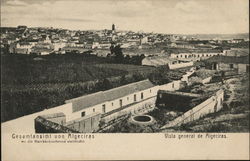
pixel 211 105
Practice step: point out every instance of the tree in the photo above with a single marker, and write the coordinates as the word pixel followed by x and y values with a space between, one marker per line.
pixel 117 52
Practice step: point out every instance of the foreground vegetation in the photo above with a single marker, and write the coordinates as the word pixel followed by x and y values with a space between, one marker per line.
pixel 31 83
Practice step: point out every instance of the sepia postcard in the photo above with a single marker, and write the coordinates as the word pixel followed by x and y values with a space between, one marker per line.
pixel 125 79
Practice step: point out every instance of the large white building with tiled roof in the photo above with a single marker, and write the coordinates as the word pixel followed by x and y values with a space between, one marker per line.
pixel 107 101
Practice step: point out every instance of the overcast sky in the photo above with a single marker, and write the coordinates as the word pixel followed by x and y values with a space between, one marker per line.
pixel 163 16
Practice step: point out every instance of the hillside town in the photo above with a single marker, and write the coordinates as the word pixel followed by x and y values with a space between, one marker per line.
pixel 192 70
pixel 111 79
pixel 44 41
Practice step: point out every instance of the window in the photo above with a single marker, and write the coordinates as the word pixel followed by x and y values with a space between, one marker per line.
pixel 112 104
pixel 93 110
pixel 172 85
pixel 127 98
pixel 150 90
pixel 103 108
pixel 120 102
pixel 141 95
pixel 231 66
pixel 83 113
pixel 134 97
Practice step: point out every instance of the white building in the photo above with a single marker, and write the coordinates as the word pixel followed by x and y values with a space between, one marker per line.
pixel 144 40
pixel 194 56
pixel 47 40
pixel 114 99
pixel 23 48
pixel 102 45
pixel 158 61
pixel 24 45
pixel 59 45
pixel 163 60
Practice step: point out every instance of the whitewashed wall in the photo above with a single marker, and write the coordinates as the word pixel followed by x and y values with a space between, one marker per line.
pixel 242 68
pixel 115 104
pixel 135 109
pixel 172 86
pixel 180 65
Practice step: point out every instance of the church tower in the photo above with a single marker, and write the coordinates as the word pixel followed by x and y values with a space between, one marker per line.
pixel 113 27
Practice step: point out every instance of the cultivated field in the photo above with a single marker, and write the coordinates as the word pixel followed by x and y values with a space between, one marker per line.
pixel 31 84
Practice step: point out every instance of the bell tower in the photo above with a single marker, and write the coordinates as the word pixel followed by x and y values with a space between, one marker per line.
pixel 113 27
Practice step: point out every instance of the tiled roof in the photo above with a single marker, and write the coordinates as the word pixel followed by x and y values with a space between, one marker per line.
pixel 112 94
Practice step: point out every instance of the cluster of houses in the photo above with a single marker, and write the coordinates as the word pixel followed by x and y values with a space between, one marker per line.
pixel 43 41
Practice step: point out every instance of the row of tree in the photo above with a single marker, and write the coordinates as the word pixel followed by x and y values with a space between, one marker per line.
pixel 117 54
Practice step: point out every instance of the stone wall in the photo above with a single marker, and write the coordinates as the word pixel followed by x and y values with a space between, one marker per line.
pixel 43 125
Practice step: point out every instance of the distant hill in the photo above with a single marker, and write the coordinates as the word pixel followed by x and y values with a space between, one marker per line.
pixel 219 36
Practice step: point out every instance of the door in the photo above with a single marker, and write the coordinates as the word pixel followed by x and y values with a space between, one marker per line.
pixel 135 98
pixel 103 108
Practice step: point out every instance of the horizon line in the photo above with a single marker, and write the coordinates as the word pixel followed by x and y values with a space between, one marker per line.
pixel 129 30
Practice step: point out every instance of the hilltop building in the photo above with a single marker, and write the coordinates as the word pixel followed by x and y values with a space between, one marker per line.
pixel 113 27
